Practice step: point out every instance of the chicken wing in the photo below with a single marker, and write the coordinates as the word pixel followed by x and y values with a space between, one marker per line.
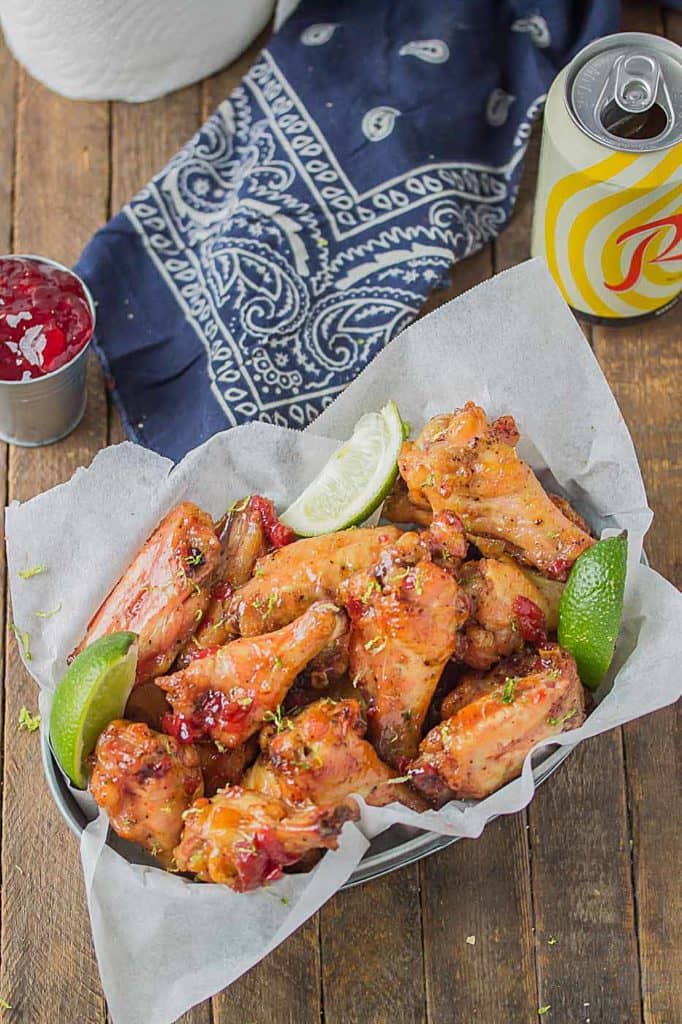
pixel 484 744
pixel 243 541
pixel 507 611
pixel 145 780
pixel 404 623
pixel 221 766
pixel 165 590
pixel 463 463
pixel 228 694
pixel 288 581
pixel 319 756
pixel 244 839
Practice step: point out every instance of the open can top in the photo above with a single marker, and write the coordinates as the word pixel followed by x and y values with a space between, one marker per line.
pixel 625 92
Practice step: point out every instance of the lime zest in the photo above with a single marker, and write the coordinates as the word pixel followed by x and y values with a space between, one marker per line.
pixel 48 615
pixel 35 570
pixel 25 641
pixel 27 721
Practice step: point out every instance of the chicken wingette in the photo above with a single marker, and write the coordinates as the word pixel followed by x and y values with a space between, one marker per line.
pixel 484 743
pixel 405 615
pixel 164 592
pixel 289 580
pixel 320 756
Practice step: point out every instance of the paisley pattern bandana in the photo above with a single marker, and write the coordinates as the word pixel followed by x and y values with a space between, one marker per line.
pixel 370 146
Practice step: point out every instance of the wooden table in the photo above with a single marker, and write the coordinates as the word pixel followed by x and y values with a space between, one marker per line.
pixel 575 904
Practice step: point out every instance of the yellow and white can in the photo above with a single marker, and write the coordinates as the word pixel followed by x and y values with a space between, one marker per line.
pixel 608 208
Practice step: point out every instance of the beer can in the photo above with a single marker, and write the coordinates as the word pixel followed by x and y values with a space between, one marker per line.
pixel 608 209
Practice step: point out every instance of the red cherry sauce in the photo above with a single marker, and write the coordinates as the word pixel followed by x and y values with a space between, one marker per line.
pixel 531 620
pixel 276 532
pixel 261 861
pixel 214 711
pixel 45 318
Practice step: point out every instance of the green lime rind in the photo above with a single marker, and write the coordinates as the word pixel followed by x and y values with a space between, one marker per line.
pixel 93 692
pixel 591 607
pixel 355 480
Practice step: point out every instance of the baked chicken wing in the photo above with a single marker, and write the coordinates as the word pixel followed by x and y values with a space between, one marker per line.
pixel 145 780
pixel 319 756
pixel 507 611
pixel 484 744
pixel 164 592
pixel 244 839
pixel 405 616
pixel 228 694
pixel 243 541
pixel 288 581
pixel 463 463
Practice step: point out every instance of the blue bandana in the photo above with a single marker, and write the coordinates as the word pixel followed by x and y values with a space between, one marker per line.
pixel 369 147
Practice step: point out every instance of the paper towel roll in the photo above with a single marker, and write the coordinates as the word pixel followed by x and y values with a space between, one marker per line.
pixel 128 49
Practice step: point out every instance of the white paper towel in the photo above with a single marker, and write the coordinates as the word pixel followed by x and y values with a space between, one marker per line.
pixel 511 344
pixel 128 49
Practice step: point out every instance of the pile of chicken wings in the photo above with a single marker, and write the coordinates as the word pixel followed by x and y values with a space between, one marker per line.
pixel 276 677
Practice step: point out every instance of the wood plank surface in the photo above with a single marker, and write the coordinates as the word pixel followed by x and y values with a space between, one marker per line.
pixel 48 968
pixel 644 367
pixel 575 905
pixel 643 364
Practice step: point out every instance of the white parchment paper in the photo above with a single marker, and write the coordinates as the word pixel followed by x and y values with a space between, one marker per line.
pixel 511 344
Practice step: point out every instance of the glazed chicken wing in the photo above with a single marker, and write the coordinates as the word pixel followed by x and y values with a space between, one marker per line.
pixel 484 744
pixel 507 611
pixel 164 592
pixel 145 780
pixel 244 839
pixel 243 541
pixel 463 463
pixel 228 694
pixel 404 623
pixel 319 756
pixel 287 581
pixel 222 766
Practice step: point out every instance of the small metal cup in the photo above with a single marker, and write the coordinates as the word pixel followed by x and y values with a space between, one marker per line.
pixel 45 409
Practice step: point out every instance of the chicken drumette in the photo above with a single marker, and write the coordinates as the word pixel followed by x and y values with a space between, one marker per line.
pixel 319 756
pixel 165 590
pixel 244 839
pixel 484 743
pixel 228 694
pixel 145 780
pixel 463 463
pixel 288 581
pixel 405 615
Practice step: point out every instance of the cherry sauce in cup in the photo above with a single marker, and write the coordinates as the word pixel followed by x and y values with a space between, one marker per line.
pixel 47 319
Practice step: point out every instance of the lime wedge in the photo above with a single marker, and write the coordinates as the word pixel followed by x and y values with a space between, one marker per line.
pixel 92 693
pixel 592 606
pixel 355 480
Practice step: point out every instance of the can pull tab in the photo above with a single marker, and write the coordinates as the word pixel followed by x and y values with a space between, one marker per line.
pixel 637 80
